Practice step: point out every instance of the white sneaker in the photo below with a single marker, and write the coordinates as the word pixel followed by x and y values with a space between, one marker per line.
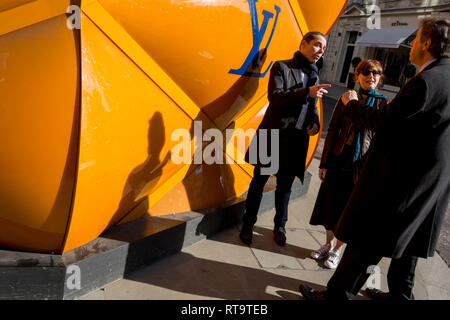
pixel 321 253
pixel 333 259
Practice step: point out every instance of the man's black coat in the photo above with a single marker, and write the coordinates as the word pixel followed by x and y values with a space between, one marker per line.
pixel 399 202
pixel 287 94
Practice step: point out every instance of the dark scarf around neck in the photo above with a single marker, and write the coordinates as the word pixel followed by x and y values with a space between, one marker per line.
pixel 309 68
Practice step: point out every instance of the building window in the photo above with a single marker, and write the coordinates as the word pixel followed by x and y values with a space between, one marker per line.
pixel 394 62
pixel 352 36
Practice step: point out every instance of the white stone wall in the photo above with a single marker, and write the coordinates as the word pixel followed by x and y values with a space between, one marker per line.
pixel 394 13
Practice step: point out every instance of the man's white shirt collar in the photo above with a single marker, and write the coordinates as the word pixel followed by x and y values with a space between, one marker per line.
pixel 427 64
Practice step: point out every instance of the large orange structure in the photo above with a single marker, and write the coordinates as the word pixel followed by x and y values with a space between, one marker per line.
pixel 92 90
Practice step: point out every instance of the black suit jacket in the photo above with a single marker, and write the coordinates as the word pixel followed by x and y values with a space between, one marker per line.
pixel 398 205
pixel 287 94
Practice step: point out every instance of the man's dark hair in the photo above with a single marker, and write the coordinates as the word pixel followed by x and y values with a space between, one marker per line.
pixel 436 29
pixel 311 36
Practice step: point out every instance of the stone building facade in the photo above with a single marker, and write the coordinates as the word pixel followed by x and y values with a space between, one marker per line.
pixel 379 30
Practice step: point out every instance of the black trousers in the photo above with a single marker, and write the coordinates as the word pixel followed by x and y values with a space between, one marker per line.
pixel 352 273
pixel 255 193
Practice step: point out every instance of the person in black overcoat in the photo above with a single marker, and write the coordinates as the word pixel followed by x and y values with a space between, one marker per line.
pixel 292 115
pixel 398 205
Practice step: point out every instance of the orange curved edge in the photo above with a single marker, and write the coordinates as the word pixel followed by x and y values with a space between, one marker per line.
pixel 38 133
pixel 100 153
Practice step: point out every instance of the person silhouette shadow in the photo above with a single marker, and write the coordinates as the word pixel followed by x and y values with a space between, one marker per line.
pixel 143 179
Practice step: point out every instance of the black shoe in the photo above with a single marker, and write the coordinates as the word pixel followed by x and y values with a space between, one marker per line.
pixel 376 294
pixel 246 235
pixel 310 294
pixel 279 235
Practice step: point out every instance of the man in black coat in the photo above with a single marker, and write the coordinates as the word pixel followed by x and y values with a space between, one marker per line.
pixel 398 205
pixel 292 114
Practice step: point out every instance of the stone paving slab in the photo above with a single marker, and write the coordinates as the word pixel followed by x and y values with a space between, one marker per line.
pixel 218 268
pixel 221 267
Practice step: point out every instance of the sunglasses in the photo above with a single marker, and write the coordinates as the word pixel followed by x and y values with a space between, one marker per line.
pixel 367 72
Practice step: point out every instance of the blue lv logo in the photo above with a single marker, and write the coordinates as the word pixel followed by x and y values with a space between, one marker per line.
pixel 258 35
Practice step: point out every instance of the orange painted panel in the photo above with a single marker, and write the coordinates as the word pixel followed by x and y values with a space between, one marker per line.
pixel 204 186
pixel 314 140
pixel 321 15
pixel 38 134
pixel 198 42
pixel 9 4
pixel 125 141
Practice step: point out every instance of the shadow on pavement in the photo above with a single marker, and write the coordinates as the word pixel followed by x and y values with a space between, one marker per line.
pixel 207 278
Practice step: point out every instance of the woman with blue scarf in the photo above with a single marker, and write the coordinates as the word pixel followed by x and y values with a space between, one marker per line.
pixel 343 155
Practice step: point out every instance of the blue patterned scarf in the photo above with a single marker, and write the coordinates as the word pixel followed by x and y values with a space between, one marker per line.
pixel 372 95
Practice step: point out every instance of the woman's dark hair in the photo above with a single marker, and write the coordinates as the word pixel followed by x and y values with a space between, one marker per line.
pixel 436 29
pixel 368 64
pixel 311 36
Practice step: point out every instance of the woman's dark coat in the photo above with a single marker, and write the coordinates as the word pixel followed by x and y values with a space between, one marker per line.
pixel 338 131
pixel 335 191
pixel 400 200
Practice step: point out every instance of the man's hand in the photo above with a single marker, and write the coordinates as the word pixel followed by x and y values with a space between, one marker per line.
pixel 318 90
pixel 348 96
pixel 322 174
pixel 312 129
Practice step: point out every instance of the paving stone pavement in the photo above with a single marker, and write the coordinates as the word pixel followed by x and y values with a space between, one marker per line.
pixel 221 267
